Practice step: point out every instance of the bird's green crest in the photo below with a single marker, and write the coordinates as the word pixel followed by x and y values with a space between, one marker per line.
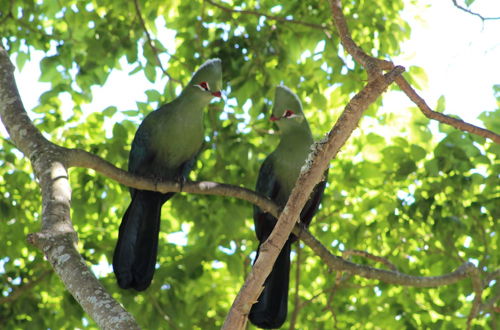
pixel 286 100
pixel 211 73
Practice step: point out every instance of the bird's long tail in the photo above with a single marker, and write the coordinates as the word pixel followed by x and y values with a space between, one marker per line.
pixel 269 312
pixel 134 258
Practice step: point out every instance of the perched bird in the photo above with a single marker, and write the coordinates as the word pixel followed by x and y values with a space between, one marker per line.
pixel 277 177
pixel 165 147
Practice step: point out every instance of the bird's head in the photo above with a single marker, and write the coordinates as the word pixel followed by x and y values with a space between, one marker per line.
pixel 207 81
pixel 287 109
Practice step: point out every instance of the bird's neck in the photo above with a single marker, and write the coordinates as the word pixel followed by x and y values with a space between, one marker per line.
pixel 297 141
pixel 289 157
pixel 190 105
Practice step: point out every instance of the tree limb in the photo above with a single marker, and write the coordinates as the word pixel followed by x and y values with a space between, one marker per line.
pixel 57 238
pixel 477 286
pixel 374 66
pixel 483 18
pixel 368 255
pixel 429 113
pixel 391 277
pixel 311 174
pixel 296 298
pixel 81 158
pixel 85 159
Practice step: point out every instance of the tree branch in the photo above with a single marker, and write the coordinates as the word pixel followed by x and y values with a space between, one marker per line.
pixel 374 67
pixel 57 238
pixel 473 13
pixel 490 303
pixel 391 277
pixel 85 159
pixel 367 255
pixel 151 44
pixel 82 158
pixel 296 299
pixel 311 174
pixel 429 113
pixel 323 28
pixel 477 286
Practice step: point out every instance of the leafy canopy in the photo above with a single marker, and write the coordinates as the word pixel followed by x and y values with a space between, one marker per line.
pixel 426 201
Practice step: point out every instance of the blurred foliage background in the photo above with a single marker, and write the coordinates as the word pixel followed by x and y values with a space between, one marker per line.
pixel 426 199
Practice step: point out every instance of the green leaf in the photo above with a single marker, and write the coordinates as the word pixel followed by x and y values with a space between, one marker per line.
pixel 21 59
pixel 119 132
pixel 399 188
pixel 153 95
pixel 441 104
pixel 150 72
pixel 417 152
pixel 109 111
pixel 406 167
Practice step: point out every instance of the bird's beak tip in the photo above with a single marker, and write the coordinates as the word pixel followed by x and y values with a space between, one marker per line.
pixel 273 118
pixel 217 94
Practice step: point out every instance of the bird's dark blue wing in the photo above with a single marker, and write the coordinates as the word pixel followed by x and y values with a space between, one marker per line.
pixel 267 185
pixel 140 153
pixel 312 204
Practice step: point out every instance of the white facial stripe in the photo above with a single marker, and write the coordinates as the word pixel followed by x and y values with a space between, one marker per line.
pixel 207 89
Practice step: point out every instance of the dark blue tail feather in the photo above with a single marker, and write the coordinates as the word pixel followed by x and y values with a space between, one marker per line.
pixel 270 311
pixel 135 254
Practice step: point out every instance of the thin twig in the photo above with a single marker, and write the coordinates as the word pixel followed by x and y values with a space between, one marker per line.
pixel 347 253
pixel 372 65
pixel 391 277
pixel 483 18
pixel 81 158
pixel 296 300
pixel 431 114
pixel 477 286
pixel 490 303
pixel 151 44
pixel 323 28
pixel 24 288
pixel 494 275
pixel 159 309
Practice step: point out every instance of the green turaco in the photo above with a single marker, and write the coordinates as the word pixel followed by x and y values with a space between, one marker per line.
pixel 277 177
pixel 164 148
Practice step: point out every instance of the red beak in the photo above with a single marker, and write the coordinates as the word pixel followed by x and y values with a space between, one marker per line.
pixel 273 118
pixel 217 94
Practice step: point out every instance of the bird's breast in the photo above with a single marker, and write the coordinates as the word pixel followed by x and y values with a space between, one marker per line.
pixel 178 142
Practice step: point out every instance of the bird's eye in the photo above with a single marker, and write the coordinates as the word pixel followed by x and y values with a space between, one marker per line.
pixel 203 86
pixel 288 113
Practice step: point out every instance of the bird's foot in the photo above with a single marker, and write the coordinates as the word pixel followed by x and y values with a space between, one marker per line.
pixel 181 180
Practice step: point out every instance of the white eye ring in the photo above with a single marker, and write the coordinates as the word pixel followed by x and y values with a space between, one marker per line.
pixel 203 86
